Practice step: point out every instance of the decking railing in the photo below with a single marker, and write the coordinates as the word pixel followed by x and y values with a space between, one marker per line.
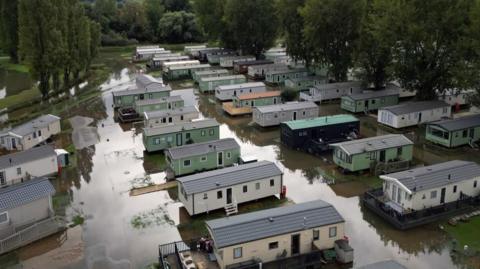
pixel 31 234
pixel 373 201
pixel 390 167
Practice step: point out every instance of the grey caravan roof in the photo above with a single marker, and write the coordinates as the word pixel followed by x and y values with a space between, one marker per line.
pixel 240 86
pixel 174 98
pixel 229 176
pixel 373 94
pixel 272 222
pixel 286 107
pixel 339 85
pixel 288 71
pixel 207 79
pixel 459 123
pixel 25 193
pixel 171 112
pixel 390 264
pixel 31 126
pixel 181 127
pixel 203 148
pixel 26 156
pixel 143 81
pixel 412 107
pixel 150 89
pixel 437 175
pixel 373 143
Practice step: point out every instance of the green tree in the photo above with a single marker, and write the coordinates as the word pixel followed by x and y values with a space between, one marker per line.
pixel 474 37
pixel 9 28
pixel 251 25
pixel 332 31
pixel 178 27
pixel 292 25
pixel 374 52
pixel 104 12
pixel 133 18
pixel 209 14
pixel 176 5
pixel 38 39
pixel 429 53
pixel 154 10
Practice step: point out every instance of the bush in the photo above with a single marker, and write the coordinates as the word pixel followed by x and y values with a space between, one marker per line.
pixel 289 95
pixel 114 39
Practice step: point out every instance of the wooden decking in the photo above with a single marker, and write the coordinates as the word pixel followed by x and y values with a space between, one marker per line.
pixel 153 188
pixel 236 111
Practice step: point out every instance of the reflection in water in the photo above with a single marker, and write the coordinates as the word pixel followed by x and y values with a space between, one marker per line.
pixel 12 82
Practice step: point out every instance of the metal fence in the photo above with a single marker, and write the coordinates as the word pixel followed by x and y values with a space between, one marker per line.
pixel 31 234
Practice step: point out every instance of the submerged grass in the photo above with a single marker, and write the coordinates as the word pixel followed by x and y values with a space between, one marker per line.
pixel 466 234
pixel 5 63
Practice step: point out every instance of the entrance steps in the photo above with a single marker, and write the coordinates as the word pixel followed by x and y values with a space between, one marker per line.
pixel 231 209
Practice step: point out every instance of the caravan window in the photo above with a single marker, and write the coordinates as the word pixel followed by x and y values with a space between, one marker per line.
pixel 237 253
pixel 19 170
pixel 332 232
pixel 3 217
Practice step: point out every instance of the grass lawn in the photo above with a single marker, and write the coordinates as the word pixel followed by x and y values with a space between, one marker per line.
pixel 24 96
pixel 466 233
pixel 194 227
pixel 6 64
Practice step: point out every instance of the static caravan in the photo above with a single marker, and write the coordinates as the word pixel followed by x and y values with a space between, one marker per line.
pixel 208 84
pixel 228 61
pixel 315 135
pixel 24 165
pixel 226 188
pixel 30 134
pixel 367 101
pixel 26 214
pixel 258 72
pixel 144 81
pixel 273 115
pixel 157 61
pixel 127 98
pixel 196 75
pixel 241 67
pixel 214 57
pixel 171 102
pixel 144 53
pixel 454 132
pixel 160 138
pixel 180 72
pixel 402 92
pixel 264 236
pixel 202 53
pixel 456 97
pixel 202 157
pixel 431 186
pixel 243 104
pixel 190 50
pixel 331 91
pixel 380 153
pixel 304 83
pixel 177 115
pixel 413 113
pixel 227 92
pixel 167 65
pixel 279 77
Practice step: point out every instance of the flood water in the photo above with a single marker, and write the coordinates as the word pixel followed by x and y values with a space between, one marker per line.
pixel 121 231
pixel 12 82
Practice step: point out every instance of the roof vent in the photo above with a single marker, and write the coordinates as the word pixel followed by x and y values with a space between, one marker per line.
pixel 384 142
pixel 449 176
pixel 270 219
pixel 217 183
pixel 304 222
pixel 369 143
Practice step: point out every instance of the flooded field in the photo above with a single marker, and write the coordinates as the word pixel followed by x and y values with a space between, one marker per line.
pixel 123 231
pixel 13 82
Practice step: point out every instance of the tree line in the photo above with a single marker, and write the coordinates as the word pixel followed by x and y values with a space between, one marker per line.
pixel 54 38
pixel 424 45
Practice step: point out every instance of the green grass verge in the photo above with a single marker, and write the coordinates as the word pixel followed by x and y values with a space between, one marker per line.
pixel 466 233
pixel 9 259
pixel 6 64
pixel 17 99
pixel 196 227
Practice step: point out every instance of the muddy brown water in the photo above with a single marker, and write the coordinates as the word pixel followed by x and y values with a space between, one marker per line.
pixel 13 82
pixel 129 229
